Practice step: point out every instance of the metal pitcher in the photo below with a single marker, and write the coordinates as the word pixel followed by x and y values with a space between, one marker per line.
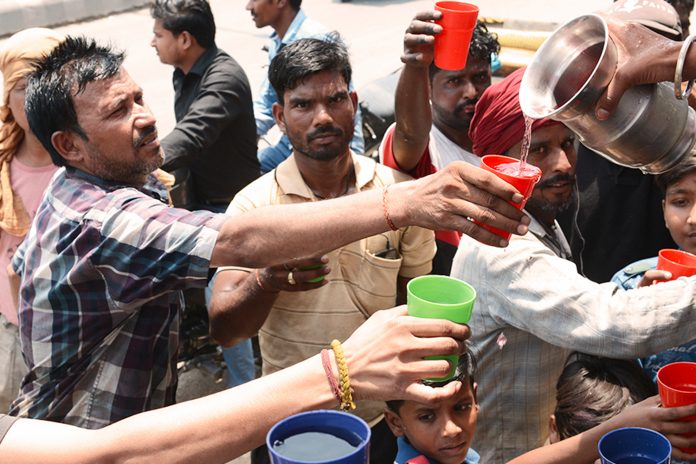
pixel 650 129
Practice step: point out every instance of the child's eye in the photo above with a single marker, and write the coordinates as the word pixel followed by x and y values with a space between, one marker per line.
pixel 426 417
pixel 679 202
pixel 462 406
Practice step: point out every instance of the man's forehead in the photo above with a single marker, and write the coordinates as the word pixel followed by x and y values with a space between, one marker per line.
pixel 102 93
pixel 325 80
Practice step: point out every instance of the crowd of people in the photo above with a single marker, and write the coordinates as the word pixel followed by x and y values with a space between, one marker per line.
pixel 310 246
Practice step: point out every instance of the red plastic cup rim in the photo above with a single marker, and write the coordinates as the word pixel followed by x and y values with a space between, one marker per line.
pixel 491 161
pixel 678 257
pixel 456 7
pixel 665 370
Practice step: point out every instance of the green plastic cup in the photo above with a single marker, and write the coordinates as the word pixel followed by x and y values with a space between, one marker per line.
pixel 441 297
pixel 309 268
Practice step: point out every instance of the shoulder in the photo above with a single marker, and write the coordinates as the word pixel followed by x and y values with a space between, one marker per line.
pixel 224 66
pixel 629 277
pixel 261 192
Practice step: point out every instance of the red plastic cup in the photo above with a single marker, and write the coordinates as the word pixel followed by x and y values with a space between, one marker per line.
pixel 452 44
pixel 676 384
pixel 524 183
pixel 679 263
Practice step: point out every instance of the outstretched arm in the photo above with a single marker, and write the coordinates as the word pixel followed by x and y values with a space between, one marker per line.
pixel 412 100
pixel 384 357
pixel 444 200
pixel 582 448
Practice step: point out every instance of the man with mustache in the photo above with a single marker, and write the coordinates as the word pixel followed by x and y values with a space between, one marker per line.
pixel 434 108
pixel 324 297
pixel 106 259
pixel 533 307
pixel 289 23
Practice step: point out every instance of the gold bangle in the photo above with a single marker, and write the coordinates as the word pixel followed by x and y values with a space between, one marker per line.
pixel 347 403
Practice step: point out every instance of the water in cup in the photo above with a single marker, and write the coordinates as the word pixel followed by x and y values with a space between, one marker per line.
pixel 635 460
pixel 314 447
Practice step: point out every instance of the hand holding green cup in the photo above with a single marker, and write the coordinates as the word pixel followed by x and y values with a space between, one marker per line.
pixel 441 297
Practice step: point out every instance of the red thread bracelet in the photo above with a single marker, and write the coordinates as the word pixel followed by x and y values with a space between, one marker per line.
pixel 326 362
pixel 385 207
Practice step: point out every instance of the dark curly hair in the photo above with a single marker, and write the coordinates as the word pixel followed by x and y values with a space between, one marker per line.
pixel 483 45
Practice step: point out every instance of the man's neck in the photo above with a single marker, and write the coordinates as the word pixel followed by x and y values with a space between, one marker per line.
pixel 191 58
pixel 32 153
pixel 458 136
pixel 545 218
pixel 284 20
pixel 327 179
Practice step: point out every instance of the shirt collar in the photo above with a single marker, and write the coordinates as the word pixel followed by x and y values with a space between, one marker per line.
pixel 291 182
pixel 152 186
pixel 294 27
pixel 557 240
pixel 201 63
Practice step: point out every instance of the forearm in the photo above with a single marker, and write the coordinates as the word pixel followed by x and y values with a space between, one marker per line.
pixel 579 449
pixel 212 429
pixel 277 234
pixel 237 312
pixel 413 116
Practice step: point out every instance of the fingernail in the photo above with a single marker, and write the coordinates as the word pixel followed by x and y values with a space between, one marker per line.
pixel 526 220
pixel 522 229
pixel 668 275
pixel 517 198
pixel 325 259
pixel 503 243
pixel 602 114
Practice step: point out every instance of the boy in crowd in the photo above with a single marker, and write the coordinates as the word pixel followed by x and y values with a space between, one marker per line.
pixel 679 210
pixel 438 432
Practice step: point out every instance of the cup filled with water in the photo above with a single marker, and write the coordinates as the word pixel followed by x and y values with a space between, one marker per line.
pixel 634 445
pixel 518 173
pixel 676 384
pixel 324 436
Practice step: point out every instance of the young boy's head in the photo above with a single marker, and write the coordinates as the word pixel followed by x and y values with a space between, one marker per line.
pixel 592 390
pixel 679 205
pixel 442 431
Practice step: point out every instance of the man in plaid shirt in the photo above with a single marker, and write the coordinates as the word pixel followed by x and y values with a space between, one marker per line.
pixel 104 262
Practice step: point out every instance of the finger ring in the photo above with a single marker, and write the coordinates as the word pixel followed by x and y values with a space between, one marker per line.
pixel 291 279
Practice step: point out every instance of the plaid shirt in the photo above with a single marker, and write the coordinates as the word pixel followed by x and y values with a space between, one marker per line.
pixel 102 268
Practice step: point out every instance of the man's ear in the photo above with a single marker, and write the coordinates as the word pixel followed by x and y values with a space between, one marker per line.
pixel 279 116
pixel 354 99
pixel 553 430
pixel 65 144
pixel 394 423
pixel 186 40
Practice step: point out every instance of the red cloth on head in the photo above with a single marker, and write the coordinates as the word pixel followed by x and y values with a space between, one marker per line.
pixel 498 122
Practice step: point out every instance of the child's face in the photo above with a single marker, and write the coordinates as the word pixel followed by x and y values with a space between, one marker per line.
pixel 679 208
pixel 441 431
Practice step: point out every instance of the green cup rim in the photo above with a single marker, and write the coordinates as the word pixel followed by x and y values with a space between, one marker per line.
pixel 449 311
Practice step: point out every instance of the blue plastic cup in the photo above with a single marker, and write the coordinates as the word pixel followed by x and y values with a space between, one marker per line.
pixel 634 445
pixel 324 436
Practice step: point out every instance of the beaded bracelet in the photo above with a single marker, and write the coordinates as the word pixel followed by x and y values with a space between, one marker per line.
pixel 385 207
pixel 326 362
pixel 344 379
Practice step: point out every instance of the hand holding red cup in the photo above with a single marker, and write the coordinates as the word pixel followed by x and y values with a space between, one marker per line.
pixel 452 44
pixel 523 179
pixel 676 383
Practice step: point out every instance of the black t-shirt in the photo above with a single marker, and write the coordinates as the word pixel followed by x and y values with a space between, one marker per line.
pixel 620 217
